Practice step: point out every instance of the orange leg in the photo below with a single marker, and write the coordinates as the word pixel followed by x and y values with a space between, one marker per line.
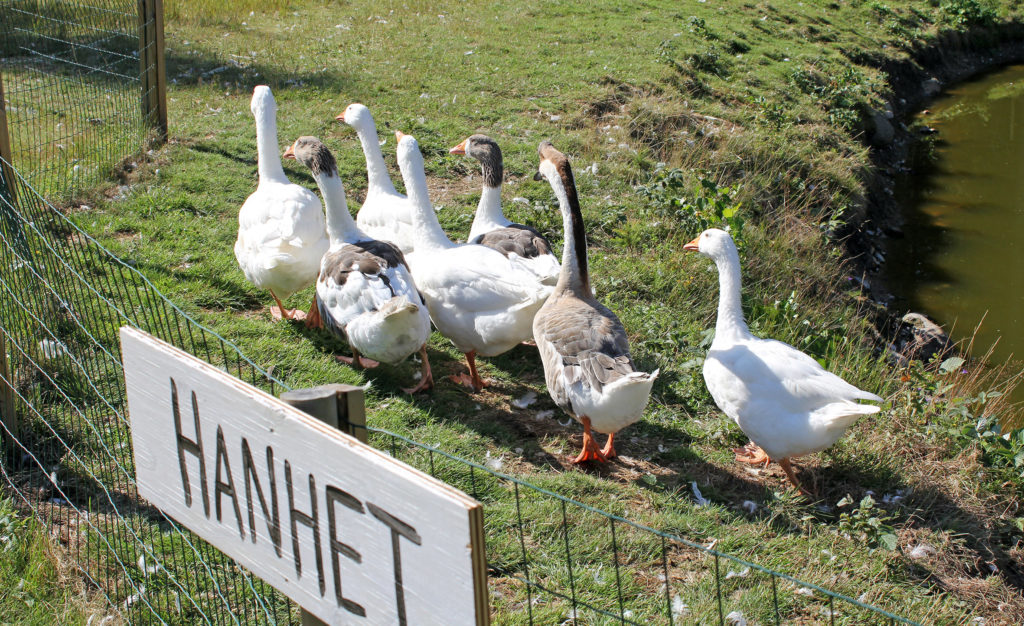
pixel 427 378
pixel 609 448
pixel 356 361
pixel 788 468
pixel 752 454
pixel 590 450
pixel 280 312
pixel 473 380
pixel 313 317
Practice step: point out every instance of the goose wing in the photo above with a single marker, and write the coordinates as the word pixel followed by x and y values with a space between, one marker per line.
pixel 589 339
pixel 515 238
pixel 769 371
pixel 361 277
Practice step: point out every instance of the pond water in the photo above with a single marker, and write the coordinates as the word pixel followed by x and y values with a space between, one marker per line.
pixel 962 258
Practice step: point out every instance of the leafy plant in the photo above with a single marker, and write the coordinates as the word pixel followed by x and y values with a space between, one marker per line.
pixel 698 26
pixel 967 12
pixel 10 527
pixel 707 205
pixel 844 95
pixel 772 112
pixel 867 522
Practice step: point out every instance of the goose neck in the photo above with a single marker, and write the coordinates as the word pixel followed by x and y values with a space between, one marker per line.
pixel 428 233
pixel 575 274
pixel 489 215
pixel 376 170
pixel 268 159
pixel 341 228
pixel 730 323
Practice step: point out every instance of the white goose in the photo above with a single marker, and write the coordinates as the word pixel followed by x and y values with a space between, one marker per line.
pixel 490 226
pixel 477 297
pixel 786 402
pixel 365 293
pixel 385 214
pixel 584 348
pixel 281 230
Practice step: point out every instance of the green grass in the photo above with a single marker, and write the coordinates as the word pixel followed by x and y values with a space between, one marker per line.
pixel 767 98
pixel 38 585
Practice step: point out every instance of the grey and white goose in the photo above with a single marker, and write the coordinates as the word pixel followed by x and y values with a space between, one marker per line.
pixel 490 226
pixel 587 365
pixel 365 293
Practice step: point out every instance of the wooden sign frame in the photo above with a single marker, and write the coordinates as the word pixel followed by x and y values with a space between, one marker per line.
pixel 352 535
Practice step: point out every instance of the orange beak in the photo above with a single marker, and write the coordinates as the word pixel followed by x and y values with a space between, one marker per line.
pixel 340 117
pixel 290 152
pixel 692 246
pixel 459 149
pixel 398 135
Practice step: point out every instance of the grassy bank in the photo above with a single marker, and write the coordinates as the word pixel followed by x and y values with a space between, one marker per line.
pixel 674 115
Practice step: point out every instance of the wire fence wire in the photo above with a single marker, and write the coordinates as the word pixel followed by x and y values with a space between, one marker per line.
pixel 69 462
pixel 76 93
pixel 73 83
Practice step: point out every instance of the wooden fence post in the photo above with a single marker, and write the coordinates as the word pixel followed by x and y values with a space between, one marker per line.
pixel 8 415
pixel 340 406
pixel 153 68
pixel 6 173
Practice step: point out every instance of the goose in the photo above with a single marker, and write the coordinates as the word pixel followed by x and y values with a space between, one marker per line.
pixel 385 214
pixel 583 345
pixel 365 293
pixel 781 398
pixel 478 298
pixel 490 226
pixel 281 230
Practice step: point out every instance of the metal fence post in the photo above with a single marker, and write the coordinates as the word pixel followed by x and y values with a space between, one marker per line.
pixel 152 66
pixel 340 406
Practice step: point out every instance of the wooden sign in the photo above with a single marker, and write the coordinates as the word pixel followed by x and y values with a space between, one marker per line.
pixel 350 534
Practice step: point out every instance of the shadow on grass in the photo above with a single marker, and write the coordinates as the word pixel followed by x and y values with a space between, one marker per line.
pixel 986 538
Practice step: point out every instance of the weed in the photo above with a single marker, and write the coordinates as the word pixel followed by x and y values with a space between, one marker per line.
pixel 962 13
pixel 844 95
pixel 772 112
pixel 867 522
pixel 710 205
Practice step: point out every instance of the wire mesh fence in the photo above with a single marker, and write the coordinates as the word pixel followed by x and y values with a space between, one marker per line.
pixel 78 82
pixel 82 90
pixel 69 462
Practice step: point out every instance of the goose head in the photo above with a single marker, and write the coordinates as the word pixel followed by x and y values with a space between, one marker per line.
pixel 262 104
pixel 312 153
pixel 408 151
pixel 555 168
pixel 358 117
pixel 486 151
pixel 714 243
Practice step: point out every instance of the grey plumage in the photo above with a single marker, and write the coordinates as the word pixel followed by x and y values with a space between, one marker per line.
pixel 486 151
pixel 572 326
pixel 587 338
pixel 525 241
pixel 312 153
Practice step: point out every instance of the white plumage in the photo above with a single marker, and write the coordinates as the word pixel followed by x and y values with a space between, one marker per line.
pixel 786 402
pixel 385 214
pixel 281 229
pixel 365 293
pixel 477 297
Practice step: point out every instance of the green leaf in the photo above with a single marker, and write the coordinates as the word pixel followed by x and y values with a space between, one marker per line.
pixel 887 541
pixel 951 364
